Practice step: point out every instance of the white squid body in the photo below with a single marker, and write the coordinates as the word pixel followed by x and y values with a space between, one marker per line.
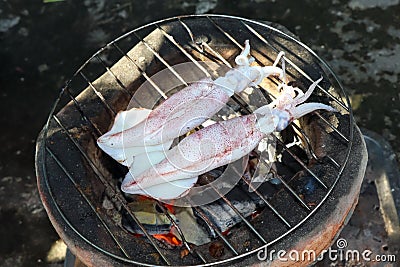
pixel 136 131
pixel 170 174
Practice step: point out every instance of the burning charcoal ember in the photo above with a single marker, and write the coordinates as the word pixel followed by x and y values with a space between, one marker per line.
pixel 169 240
pixel 157 223
pixel 153 220
pixel 184 252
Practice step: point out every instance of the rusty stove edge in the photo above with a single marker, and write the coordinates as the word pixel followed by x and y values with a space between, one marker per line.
pixel 87 254
pixel 322 237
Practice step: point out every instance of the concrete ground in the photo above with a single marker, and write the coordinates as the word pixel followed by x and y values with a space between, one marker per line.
pixel 42 44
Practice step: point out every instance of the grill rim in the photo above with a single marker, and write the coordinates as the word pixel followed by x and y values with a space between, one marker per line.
pixel 42 146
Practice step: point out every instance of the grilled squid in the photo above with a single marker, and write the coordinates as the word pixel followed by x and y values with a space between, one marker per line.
pixel 170 174
pixel 136 131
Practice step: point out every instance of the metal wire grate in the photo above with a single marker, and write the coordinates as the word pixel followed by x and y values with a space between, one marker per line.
pixel 195 42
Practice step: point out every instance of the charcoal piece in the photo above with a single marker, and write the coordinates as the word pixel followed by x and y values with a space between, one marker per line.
pixel 193 232
pixel 149 215
pixel 224 217
pixel 160 227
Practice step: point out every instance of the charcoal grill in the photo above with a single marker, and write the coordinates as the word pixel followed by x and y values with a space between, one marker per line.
pixel 74 176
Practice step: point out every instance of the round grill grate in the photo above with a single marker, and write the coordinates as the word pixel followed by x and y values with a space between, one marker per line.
pixel 75 177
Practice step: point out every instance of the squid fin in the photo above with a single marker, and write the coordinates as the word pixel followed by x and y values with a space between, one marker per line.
pixel 125 120
pixel 126 156
pixel 128 118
